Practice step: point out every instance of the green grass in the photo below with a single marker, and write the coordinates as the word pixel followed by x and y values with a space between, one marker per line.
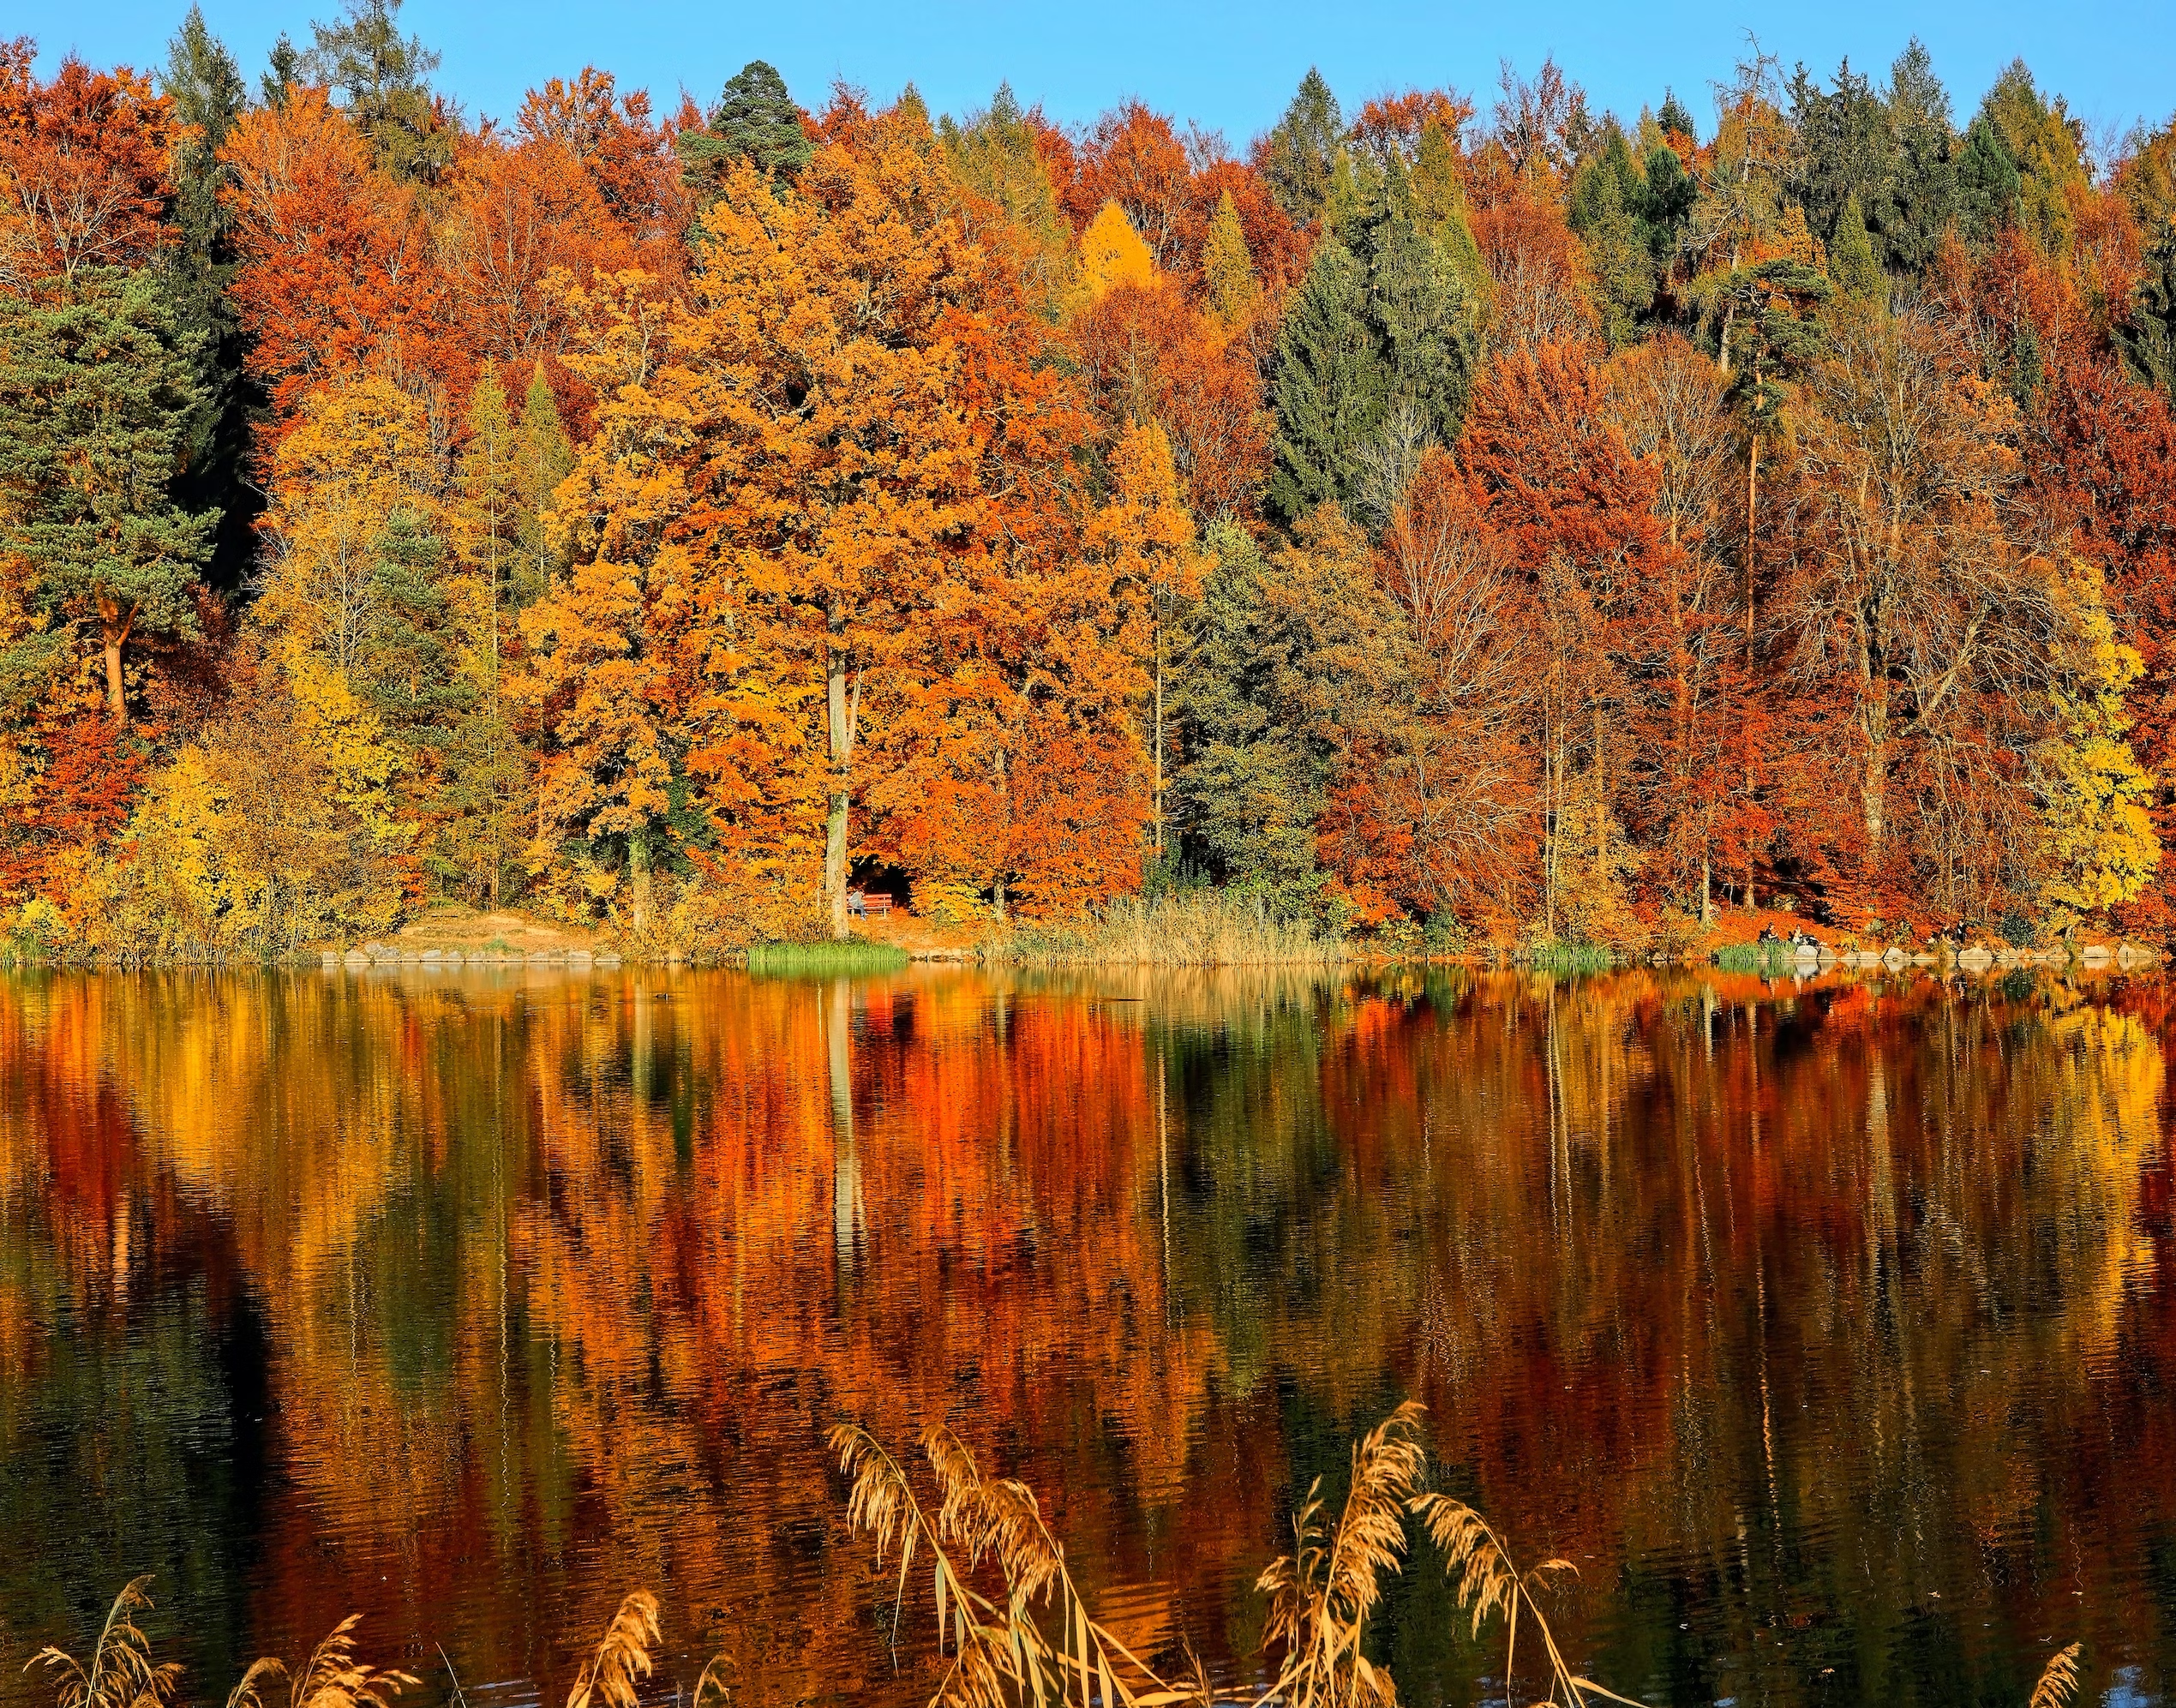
pixel 1570 957
pixel 1753 958
pixel 1195 928
pixel 825 960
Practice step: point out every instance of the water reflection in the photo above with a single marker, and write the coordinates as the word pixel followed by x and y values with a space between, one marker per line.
pixel 1823 1325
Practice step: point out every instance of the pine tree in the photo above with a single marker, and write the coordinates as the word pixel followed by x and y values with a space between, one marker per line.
pixel 1300 157
pixel 385 78
pixel 1425 326
pixel 1227 269
pixel 1327 384
pixel 1922 185
pixel 755 119
pixel 205 87
pixel 1850 256
pixel 1674 120
pixel 1605 191
pixel 96 399
pixel 993 153
pixel 1989 186
pixel 2146 338
pixel 543 456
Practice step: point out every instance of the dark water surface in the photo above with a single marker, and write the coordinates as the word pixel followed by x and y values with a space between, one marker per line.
pixel 1828 1327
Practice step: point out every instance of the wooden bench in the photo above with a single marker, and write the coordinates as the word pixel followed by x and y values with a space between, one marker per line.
pixel 863 904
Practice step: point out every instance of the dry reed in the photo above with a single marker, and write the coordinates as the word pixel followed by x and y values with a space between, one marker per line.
pixel 622 1658
pixel 1196 928
pixel 1002 1657
pixel 2058 1679
pixel 121 1673
pixel 1323 1593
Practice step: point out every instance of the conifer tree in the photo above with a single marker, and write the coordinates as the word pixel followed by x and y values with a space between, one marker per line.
pixel 1112 254
pixel 1922 192
pixel 1328 385
pixel 993 153
pixel 755 119
pixel 1300 157
pixel 96 399
pixel 543 456
pixel 386 80
pixel 1227 269
pixel 208 94
pixel 1851 254
pixel 1989 186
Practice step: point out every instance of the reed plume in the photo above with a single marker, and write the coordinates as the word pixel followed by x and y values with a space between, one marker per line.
pixel 1001 1656
pixel 2058 1679
pixel 1474 1558
pixel 1323 1592
pixel 121 1673
pixel 621 1659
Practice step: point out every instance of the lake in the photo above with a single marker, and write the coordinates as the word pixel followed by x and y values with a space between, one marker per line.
pixel 1828 1327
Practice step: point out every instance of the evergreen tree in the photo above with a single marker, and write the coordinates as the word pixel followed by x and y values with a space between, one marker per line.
pixel 1426 329
pixel 1227 269
pixel 385 79
pixel 208 95
pixel 1987 184
pixel 993 153
pixel 2048 147
pixel 410 673
pixel 96 401
pixel 283 68
pixel 1665 203
pixel 1605 191
pixel 1300 157
pixel 543 456
pixel 755 119
pixel 2146 338
pixel 1922 192
pixel 1674 119
pixel 1846 151
pixel 1328 384
pixel 1850 256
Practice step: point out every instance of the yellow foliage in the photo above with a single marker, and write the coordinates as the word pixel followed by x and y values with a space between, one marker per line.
pixel 1112 254
pixel 2099 846
pixel 361 451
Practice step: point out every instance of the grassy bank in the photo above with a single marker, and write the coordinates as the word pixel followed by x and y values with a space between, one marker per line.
pixel 1199 928
pixel 825 960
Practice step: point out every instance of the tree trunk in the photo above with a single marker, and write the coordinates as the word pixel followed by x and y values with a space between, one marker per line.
pixel 1160 739
pixel 1875 786
pixel 841 708
pixel 114 625
pixel 639 876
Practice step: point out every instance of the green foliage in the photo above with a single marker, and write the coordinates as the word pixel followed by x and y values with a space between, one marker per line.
pixel 1606 190
pixel 1382 340
pixel 1753 958
pixel 2046 144
pixel 2146 336
pixel 208 95
pixel 1851 264
pixel 1919 199
pixel 993 153
pixel 825 960
pixel 1300 157
pixel 1675 119
pixel 1270 689
pixel 755 119
pixel 385 78
pixel 543 456
pixel 1328 385
pixel 1989 186
pixel 96 399
pixel 408 671
pixel 1846 148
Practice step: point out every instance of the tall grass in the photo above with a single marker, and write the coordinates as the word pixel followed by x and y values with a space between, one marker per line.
pixel 1194 928
pixel 832 960
pixel 1558 957
pixel 1756 957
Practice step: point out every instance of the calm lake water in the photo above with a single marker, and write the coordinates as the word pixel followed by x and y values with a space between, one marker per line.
pixel 1829 1327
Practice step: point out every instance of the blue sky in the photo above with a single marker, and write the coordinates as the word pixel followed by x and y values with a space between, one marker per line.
pixel 1230 66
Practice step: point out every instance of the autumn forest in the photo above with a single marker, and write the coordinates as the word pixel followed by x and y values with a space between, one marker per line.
pixel 1463 518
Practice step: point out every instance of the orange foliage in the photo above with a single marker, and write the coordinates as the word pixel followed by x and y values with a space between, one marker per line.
pixel 83 175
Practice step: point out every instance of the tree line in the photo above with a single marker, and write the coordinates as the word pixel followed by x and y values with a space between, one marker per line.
pixel 1468 520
